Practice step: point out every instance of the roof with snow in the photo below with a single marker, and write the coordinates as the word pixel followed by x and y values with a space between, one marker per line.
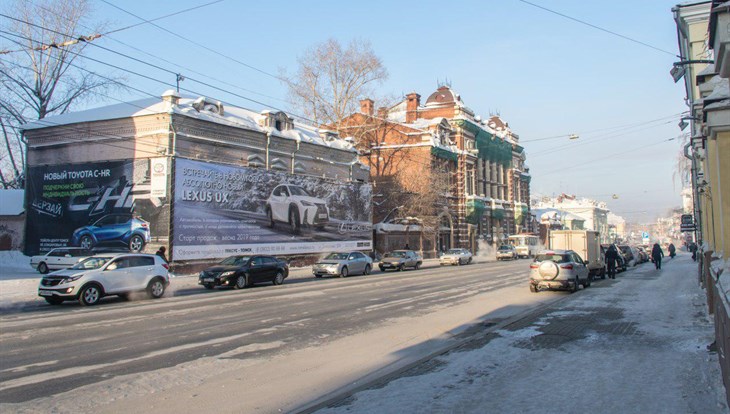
pixel 232 116
pixel 11 202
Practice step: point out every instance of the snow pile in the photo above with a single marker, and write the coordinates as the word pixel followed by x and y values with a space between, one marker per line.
pixel 13 262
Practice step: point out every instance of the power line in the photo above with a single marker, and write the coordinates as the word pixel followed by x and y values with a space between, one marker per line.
pixel 160 81
pixel 279 78
pixel 639 123
pixel 600 28
pixel 168 61
pixel 95 36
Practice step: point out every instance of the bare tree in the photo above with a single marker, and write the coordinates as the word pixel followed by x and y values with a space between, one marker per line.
pixel 39 76
pixel 330 80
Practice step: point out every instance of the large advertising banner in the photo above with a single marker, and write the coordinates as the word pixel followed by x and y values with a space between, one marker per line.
pixel 92 205
pixel 222 210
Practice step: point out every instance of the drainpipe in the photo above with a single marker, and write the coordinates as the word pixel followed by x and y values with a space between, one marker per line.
pixel 292 156
pixel 268 142
pixel 695 196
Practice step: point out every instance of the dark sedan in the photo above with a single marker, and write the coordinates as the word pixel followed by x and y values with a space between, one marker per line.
pixel 244 271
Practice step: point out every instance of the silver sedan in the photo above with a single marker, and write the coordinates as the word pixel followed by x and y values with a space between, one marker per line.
pixel 343 264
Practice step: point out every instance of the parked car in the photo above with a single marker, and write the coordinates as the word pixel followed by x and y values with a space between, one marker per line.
pixel 627 253
pixel 399 260
pixel 244 271
pixel 558 269
pixel 455 257
pixel 292 204
pixel 507 252
pixel 113 230
pixel 621 264
pixel 643 255
pixel 103 275
pixel 343 264
pixel 60 258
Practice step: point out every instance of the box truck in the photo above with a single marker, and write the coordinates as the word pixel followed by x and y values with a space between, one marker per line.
pixel 584 242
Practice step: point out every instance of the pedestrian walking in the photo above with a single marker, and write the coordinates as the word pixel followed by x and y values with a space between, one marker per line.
pixel 161 252
pixel 672 250
pixel 656 254
pixel 693 249
pixel 611 259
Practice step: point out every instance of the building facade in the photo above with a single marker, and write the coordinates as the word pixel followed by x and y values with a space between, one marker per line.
pixel 203 176
pixel 476 166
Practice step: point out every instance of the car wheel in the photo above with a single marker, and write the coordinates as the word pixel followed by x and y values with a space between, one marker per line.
pixel 86 242
pixel 382 269
pixel 400 268
pixel 241 282
pixel 43 268
pixel 588 281
pixel 417 266
pixel 136 243
pixel 90 295
pixel 294 225
pixel 367 270
pixel 603 273
pixel 208 286
pixel 317 275
pixel 54 300
pixel 458 262
pixel 156 288
pixel 533 288
pixel 270 216
pixel 279 279
pixel 469 262
pixel 576 285
pixel 344 271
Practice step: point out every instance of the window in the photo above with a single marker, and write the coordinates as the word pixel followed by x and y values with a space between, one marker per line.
pixel 268 260
pixel 122 263
pixel 141 261
pixel 57 253
pixel 277 125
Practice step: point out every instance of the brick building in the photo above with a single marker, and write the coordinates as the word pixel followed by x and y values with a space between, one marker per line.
pixel 411 144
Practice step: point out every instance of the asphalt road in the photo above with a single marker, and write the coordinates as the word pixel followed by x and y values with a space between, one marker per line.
pixel 51 350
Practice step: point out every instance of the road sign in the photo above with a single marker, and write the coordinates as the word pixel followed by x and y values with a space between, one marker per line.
pixel 687 223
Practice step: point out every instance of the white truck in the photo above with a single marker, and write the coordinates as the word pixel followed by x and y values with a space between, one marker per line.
pixel 584 242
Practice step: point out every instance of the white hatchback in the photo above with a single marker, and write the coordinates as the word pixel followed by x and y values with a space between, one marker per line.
pixel 106 274
pixel 558 269
pixel 60 258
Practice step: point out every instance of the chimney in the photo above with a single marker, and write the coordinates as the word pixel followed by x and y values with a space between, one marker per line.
pixel 412 104
pixel 366 106
pixel 171 97
pixel 383 112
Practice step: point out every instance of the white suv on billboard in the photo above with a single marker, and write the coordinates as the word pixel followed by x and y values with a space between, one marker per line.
pixel 291 204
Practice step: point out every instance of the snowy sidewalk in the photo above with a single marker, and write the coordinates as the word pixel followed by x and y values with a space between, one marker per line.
pixel 637 344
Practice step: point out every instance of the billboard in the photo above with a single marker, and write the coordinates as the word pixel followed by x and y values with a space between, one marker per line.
pixel 103 203
pixel 222 210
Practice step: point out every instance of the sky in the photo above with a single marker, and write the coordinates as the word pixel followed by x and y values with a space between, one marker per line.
pixel 544 74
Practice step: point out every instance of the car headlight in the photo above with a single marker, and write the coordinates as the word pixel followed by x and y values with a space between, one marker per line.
pixel 306 203
pixel 72 278
pixel 228 273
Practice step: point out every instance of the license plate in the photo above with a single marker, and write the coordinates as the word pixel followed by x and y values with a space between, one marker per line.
pixel 323 216
pixel 45 293
pixel 208 279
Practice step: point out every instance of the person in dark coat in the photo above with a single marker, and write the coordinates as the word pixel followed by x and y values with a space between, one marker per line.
pixel 672 250
pixel 657 253
pixel 693 249
pixel 161 252
pixel 611 259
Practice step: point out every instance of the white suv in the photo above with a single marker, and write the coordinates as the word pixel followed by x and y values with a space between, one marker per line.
pixel 559 269
pixel 106 274
pixel 292 204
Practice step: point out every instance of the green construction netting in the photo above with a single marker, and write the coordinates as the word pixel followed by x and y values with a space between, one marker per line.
pixel 520 214
pixel 474 210
pixel 490 147
pixel 498 213
pixel 442 153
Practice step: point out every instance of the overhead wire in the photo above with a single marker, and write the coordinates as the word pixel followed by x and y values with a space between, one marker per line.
pixel 611 32
pixel 154 56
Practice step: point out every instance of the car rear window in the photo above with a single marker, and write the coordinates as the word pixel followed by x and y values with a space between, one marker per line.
pixel 504 248
pixel 557 258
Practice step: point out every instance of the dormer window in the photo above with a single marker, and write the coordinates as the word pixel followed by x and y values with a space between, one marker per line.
pixel 276 120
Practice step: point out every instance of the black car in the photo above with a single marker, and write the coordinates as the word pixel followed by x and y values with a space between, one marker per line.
pixel 243 271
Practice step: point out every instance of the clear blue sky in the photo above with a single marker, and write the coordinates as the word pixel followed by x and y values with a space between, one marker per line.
pixel 544 74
